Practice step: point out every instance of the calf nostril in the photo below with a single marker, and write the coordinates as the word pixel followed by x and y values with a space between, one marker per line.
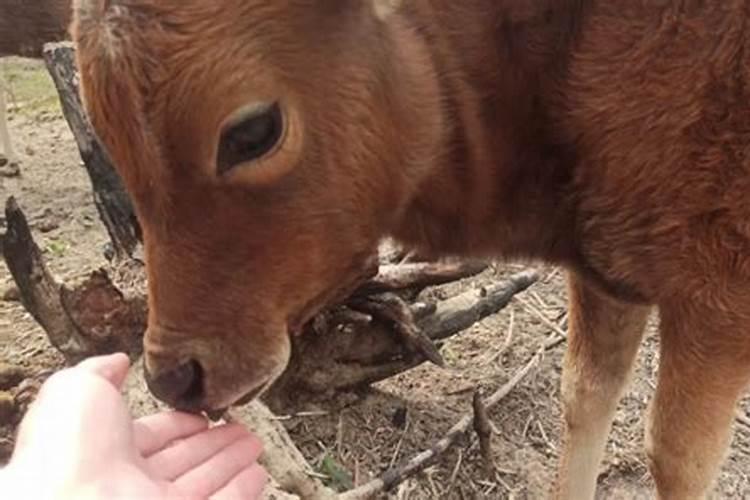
pixel 181 386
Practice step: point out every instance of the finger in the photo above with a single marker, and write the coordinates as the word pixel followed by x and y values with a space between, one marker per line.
pixel 185 455
pixel 113 368
pixel 248 484
pixel 216 472
pixel 155 432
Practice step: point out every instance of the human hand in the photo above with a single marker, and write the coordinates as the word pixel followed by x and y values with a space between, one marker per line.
pixel 78 440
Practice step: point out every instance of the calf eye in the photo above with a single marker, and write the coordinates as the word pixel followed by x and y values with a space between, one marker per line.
pixel 250 136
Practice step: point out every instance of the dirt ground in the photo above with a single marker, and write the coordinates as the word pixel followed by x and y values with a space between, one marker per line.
pixel 363 434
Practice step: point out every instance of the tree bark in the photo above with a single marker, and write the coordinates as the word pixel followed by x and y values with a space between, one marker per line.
pixel 110 198
pixel 93 318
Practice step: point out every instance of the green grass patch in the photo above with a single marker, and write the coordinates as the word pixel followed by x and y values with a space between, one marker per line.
pixel 56 248
pixel 32 91
pixel 339 478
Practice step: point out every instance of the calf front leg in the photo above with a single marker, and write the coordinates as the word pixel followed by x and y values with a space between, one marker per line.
pixel 704 369
pixel 604 335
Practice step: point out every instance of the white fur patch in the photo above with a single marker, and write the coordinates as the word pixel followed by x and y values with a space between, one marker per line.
pixel 384 8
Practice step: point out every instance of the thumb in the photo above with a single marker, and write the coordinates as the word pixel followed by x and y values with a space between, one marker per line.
pixel 113 367
pixel 78 410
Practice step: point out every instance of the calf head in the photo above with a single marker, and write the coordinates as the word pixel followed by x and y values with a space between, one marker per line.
pixel 267 146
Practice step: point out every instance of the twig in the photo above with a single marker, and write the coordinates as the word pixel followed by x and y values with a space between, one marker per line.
pixel 541 303
pixel 328 361
pixel 392 277
pixel 546 439
pixel 399 444
pixel 508 339
pixel 462 311
pixel 340 436
pixel 484 432
pixel 301 414
pixel 389 251
pixel 419 462
pixel 431 482
pixel 743 419
pixel 543 317
pixel 552 274
pixel 394 310
pixel 282 459
pixel 554 341
pixel 456 470
pixel 503 483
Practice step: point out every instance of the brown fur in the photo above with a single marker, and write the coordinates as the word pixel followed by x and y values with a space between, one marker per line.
pixel 26 25
pixel 607 136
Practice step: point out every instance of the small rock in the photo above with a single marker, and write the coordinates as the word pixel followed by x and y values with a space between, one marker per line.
pixel 11 294
pixel 109 251
pixel 30 151
pixel 399 417
pixel 46 226
pixel 3 161
pixel 6 450
pixel 10 170
pixel 10 376
pixel 7 408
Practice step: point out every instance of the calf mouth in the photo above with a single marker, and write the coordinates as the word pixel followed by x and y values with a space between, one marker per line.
pixel 221 413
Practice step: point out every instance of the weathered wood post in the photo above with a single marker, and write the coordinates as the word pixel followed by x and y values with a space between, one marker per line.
pixel 110 198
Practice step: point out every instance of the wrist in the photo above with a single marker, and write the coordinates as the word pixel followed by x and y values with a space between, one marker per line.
pixel 17 484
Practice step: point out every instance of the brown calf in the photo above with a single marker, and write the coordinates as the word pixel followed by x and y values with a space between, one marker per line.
pixel 269 145
pixel 25 26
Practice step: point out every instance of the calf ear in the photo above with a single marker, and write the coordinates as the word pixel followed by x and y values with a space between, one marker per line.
pixel 384 8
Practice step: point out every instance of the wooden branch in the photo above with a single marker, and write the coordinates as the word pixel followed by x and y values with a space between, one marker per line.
pixel 484 433
pixel 283 460
pixel 347 356
pixel 743 419
pixel 419 462
pixel 417 277
pixel 462 311
pixel 92 319
pixel 110 198
pixel 39 292
pixel 401 319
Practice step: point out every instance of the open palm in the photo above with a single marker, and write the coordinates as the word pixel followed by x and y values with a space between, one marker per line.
pixel 79 441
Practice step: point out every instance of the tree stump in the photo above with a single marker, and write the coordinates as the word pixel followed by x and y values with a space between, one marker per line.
pixel 110 198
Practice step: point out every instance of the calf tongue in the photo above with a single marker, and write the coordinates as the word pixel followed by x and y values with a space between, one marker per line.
pixel 216 415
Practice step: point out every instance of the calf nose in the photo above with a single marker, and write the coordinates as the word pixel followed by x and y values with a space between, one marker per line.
pixel 180 386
